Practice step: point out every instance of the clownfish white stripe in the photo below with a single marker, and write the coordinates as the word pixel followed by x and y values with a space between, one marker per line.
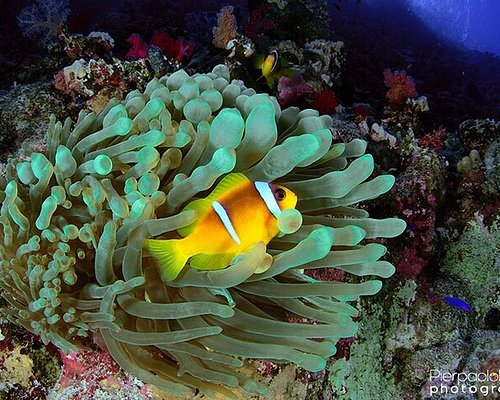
pixel 221 212
pixel 267 195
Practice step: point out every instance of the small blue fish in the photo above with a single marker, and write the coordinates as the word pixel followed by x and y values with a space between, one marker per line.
pixel 458 303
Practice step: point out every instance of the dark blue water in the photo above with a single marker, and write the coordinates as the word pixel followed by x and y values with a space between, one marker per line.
pixel 473 23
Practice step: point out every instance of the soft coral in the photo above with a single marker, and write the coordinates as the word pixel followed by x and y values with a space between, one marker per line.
pixel 139 47
pixel 400 85
pixel 179 48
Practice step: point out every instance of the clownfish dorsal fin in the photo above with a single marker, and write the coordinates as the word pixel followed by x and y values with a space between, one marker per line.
pixel 229 183
pixel 201 206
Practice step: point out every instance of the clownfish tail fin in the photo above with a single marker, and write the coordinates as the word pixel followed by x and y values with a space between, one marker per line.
pixel 169 256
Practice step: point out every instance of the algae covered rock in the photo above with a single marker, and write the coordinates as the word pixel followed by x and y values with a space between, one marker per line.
pixel 75 217
pixel 474 259
pixel 25 111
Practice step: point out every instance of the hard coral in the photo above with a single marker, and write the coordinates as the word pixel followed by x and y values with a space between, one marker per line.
pixel 74 220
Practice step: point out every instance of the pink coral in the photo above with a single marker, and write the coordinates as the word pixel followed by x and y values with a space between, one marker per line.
pixel 290 89
pixel 327 274
pixel 400 85
pixel 139 48
pixel 185 49
pixel 90 372
pixel 179 48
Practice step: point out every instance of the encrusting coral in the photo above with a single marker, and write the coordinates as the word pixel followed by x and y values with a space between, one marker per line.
pixel 75 219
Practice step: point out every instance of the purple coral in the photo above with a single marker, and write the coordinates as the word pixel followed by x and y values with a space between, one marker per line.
pixel 43 19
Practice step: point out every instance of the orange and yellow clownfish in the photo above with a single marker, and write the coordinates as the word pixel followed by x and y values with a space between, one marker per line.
pixel 270 63
pixel 237 215
pixel 273 66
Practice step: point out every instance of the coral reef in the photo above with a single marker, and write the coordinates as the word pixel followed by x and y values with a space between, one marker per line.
pixel 418 194
pixel 24 113
pixel 478 134
pixel 325 60
pixel 72 265
pixel 95 82
pixel 139 48
pixel 474 259
pixel 492 167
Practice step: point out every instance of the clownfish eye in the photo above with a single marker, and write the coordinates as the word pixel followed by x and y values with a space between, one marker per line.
pixel 280 194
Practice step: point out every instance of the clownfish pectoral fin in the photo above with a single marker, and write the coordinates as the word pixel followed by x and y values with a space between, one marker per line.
pixel 258 61
pixel 230 182
pixel 201 206
pixel 270 79
pixel 169 257
pixel 210 262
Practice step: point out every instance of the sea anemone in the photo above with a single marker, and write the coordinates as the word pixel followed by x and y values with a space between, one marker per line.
pixel 75 219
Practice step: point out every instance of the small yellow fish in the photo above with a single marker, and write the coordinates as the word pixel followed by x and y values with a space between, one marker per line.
pixel 270 63
pixel 273 67
pixel 231 220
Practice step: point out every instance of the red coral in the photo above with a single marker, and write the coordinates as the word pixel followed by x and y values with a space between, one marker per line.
pixel 325 102
pixel 362 111
pixel 400 85
pixel 344 348
pixel 259 22
pixel 327 274
pixel 60 82
pixel 411 265
pixel 179 48
pixel 417 204
pixel 434 140
pixel 139 48
pixel 165 42
pixel 290 89
pixel 89 366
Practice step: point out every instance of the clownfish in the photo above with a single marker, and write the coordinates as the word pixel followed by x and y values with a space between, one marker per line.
pixel 269 66
pixel 270 63
pixel 236 215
